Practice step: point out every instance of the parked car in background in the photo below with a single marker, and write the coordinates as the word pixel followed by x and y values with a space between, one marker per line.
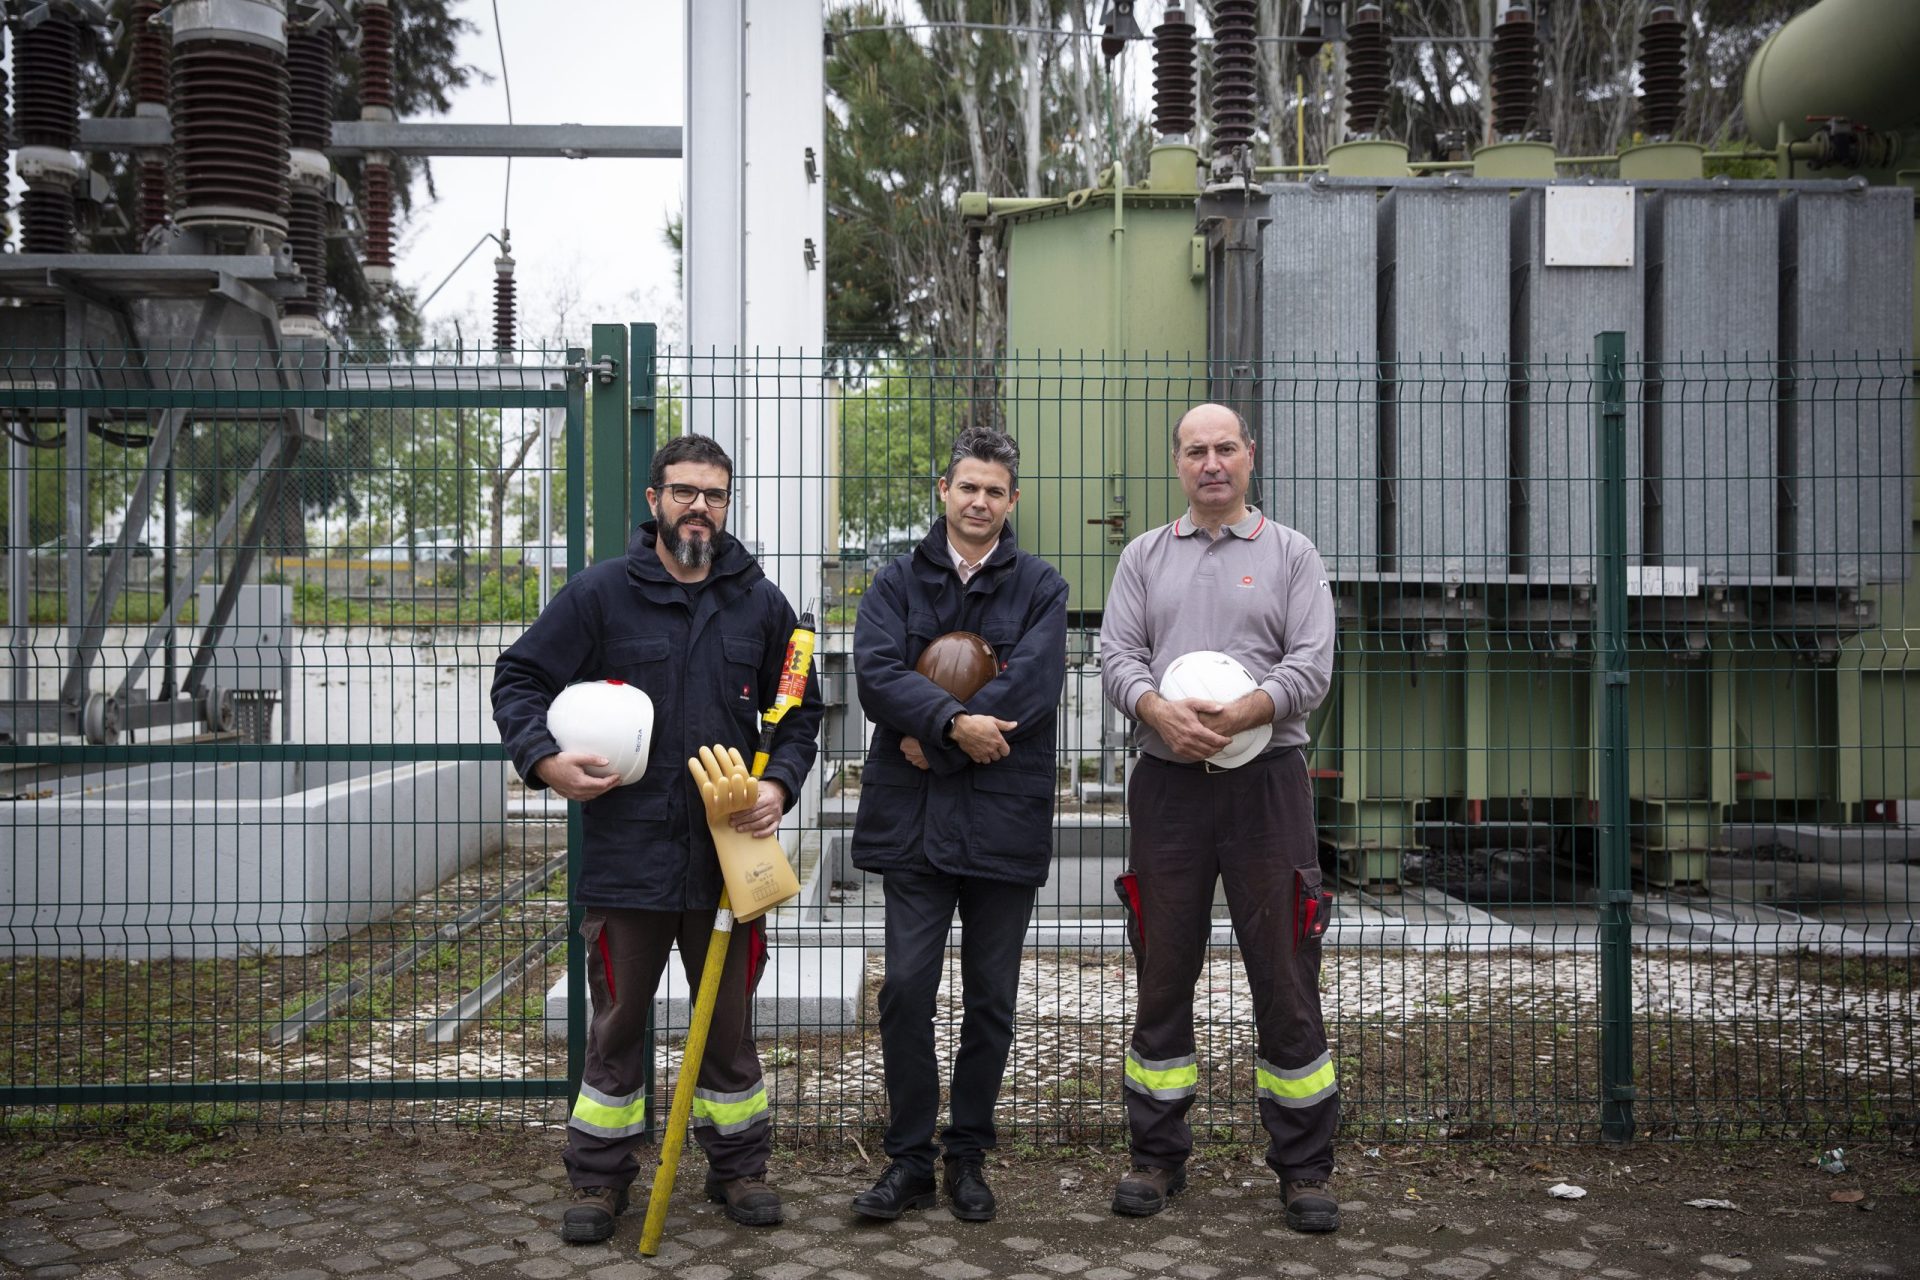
pixel 554 554
pixel 58 547
pixel 420 551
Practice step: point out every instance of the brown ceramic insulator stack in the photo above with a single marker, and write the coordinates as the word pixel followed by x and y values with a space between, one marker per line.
pixel 1173 95
pixel 1236 72
pixel 311 55
pixel 307 237
pixel 46 84
pixel 376 103
pixel 310 68
pixel 1516 79
pixel 152 81
pixel 503 307
pixel 155 196
pixel 46 113
pixel 1663 72
pixel 151 73
pixel 1369 69
pixel 376 204
pixel 230 128
pixel 376 57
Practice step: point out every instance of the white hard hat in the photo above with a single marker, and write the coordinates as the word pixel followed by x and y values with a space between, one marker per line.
pixel 608 718
pixel 1217 677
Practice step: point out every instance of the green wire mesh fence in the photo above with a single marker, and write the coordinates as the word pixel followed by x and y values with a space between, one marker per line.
pixel 1612 776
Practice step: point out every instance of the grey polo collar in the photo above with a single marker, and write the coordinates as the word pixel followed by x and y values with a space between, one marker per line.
pixel 1247 528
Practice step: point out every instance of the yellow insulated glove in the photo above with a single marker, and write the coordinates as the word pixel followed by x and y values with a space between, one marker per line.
pixel 756 871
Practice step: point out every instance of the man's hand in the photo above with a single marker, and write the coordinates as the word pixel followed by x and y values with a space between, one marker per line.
pixel 983 738
pixel 762 819
pixel 566 775
pixel 910 748
pixel 1186 725
pixel 1244 712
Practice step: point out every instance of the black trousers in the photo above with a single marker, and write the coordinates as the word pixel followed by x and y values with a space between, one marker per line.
pixel 920 910
pixel 626 956
pixel 1252 827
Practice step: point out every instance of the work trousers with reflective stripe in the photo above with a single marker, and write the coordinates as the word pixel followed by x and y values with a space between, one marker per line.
pixel 1253 828
pixel 626 955
pixel 993 924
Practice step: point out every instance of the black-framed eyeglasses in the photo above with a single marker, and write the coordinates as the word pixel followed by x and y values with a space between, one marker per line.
pixel 684 494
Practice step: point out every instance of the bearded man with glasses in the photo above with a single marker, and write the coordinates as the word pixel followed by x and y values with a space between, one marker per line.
pixel 688 616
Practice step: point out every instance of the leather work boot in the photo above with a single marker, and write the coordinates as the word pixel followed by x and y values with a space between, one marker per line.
pixel 898 1190
pixel 589 1219
pixel 749 1201
pixel 968 1194
pixel 1310 1205
pixel 1145 1190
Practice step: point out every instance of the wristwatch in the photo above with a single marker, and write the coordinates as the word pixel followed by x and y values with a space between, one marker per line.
pixel 946 734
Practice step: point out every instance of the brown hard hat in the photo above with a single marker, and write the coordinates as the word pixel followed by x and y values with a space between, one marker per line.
pixel 959 662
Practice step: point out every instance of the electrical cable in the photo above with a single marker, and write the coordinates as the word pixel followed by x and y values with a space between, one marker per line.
pixel 484 237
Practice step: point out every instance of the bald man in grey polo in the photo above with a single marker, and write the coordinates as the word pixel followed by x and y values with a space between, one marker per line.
pixel 1257 591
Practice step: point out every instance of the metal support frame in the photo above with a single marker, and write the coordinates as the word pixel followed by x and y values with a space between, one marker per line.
pixel 611 465
pixel 1610 676
pixel 431 138
pixel 576 832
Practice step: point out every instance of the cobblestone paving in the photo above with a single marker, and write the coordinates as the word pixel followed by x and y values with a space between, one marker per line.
pixel 421 1218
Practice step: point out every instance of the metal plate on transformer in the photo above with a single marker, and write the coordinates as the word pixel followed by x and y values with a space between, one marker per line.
pixel 1319 450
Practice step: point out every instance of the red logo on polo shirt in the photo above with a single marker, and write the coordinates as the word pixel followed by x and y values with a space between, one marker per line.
pixel 1247 580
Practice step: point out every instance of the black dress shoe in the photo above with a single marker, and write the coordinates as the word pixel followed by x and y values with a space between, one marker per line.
pixel 968 1193
pixel 898 1190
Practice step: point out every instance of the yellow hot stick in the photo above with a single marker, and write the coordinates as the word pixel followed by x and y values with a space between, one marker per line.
pixel 682 1109
pixel 793 685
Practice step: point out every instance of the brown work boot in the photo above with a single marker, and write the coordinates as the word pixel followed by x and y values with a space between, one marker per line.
pixel 1310 1205
pixel 1146 1189
pixel 589 1217
pixel 749 1201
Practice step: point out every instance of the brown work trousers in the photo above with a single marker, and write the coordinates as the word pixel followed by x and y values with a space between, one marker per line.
pixel 626 955
pixel 1252 827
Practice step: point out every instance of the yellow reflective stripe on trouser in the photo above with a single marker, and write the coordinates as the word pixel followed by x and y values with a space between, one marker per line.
pixel 608 1116
pixel 1298 1086
pixel 1164 1078
pixel 729 1112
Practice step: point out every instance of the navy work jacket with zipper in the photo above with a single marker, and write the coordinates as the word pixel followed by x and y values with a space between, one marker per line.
pixel 957 817
pixel 710 656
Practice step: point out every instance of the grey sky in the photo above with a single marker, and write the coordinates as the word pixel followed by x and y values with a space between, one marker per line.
pixel 585 228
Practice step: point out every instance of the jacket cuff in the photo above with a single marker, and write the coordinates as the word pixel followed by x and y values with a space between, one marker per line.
pixel 524 762
pixel 1282 700
pixel 935 730
pixel 783 776
pixel 1131 695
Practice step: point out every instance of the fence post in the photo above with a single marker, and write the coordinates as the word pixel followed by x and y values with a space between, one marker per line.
pixel 1610 722
pixel 576 561
pixel 642 343
pixel 612 520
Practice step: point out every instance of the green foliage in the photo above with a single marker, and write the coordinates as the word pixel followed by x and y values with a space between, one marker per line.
pixel 895 431
pixel 917 117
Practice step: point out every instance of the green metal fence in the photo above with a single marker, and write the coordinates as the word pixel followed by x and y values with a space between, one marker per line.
pixel 1612 772
pixel 263 857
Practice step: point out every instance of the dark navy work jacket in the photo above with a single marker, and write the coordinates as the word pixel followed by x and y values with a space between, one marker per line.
pixel 709 656
pixel 961 818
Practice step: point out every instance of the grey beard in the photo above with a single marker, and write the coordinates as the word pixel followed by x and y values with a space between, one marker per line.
pixel 688 553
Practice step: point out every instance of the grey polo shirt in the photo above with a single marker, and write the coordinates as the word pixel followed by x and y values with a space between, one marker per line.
pixel 1258 592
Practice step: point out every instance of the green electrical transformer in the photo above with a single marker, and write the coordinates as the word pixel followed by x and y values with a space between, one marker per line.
pixel 1106 346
